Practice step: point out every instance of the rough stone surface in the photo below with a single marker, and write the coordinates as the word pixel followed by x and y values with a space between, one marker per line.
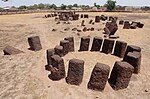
pixel 65 45
pixel 75 72
pixel 9 50
pixel 126 25
pixel 121 22
pixel 59 50
pixel 97 42
pixel 134 58
pixel 120 75
pixel 97 19
pixel 34 43
pixel 108 46
pixel 49 52
pixel 112 26
pixel 71 43
pixel 120 49
pixel 99 77
pixel 84 45
pixel 58 68
pixel 131 48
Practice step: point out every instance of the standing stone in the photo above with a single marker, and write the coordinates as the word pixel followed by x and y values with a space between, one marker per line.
pixel 86 16
pixel 9 50
pixel 34 43
pixel 131 48
pixel 99 77
pixel 126 25
pixel 84 45
pixel 140 25
pixel 75 72
pixel 97 19
pixel 112 26
pixel 82 23
pixel 97 42
pixel 90 22
pixel 134 58
pixel 121 22
pixel 120 49
pixel 106 31
pixel 108 46
pixel 59 50
pixel 81 15
pixel 120 75
pixel 85 29
pixel 58 68
pixel 71 43
pixel 50 53
pixel 65 45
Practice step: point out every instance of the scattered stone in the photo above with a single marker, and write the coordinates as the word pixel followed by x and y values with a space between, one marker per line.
pixel 82 23
pixel 58 23
pixel 65 45
pixel 59 50
pixel 58 68
pixel 134 58
pixel 90 22
pixel 97 42
pixel 92 29
pixel 71 43
pixel 50 53
pixel 34 43
pixel 54 30
pixel 108 46
pixel 66 29
pixel 121 22
pixel 140 25
pixel 97 19
pixel 120 75
pixel 120 49
pixel 99 77
pixel 85 29
pixel 79 30
pixel 86 16
pixel 9 50
pixel 75 72
pixel 74 29
pixel 84 45
pixel 126 25
pixel 146 90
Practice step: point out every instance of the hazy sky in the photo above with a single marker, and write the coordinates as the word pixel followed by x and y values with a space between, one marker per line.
pixel 85 2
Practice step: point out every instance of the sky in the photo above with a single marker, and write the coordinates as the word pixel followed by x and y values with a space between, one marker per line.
pixel 80 2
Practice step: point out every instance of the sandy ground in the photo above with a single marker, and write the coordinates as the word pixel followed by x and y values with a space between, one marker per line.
pixel 23 76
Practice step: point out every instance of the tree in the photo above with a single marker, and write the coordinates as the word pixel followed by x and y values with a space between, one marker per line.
pixel 70 6
pixel 63 7
pixel 111 4
pixel 41 6
pixel 75 5
pixel 22 7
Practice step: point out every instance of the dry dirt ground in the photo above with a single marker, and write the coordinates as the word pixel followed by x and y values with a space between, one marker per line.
pixel 23 76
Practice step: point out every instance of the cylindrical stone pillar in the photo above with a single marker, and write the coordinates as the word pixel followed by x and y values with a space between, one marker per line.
pixel 65 45
pixel 120 75
pixel 121 22
pixel 71 43
pixel 81 15
pixel 75 72
pixel 126 25
pixel 84 45
pixel 120 49
pixel 97 19
pixel 131 48
pixel 59 51
pixel 99 77
pixel 108 46
pixel 134 58
pixel 58 68
pixel 50 53
pixel 34 43
pixel 97 42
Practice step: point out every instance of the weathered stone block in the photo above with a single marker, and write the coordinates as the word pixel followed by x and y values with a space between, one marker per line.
pixel 120 75
pixel 75 72
pixel 84 45
pixel 34 43
pixel 97 42
pixel 108 46
pixel 65 45
pixel 59 51
pixel 71 43
pixel 50 53
pixel 120 49
pixel 99 77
